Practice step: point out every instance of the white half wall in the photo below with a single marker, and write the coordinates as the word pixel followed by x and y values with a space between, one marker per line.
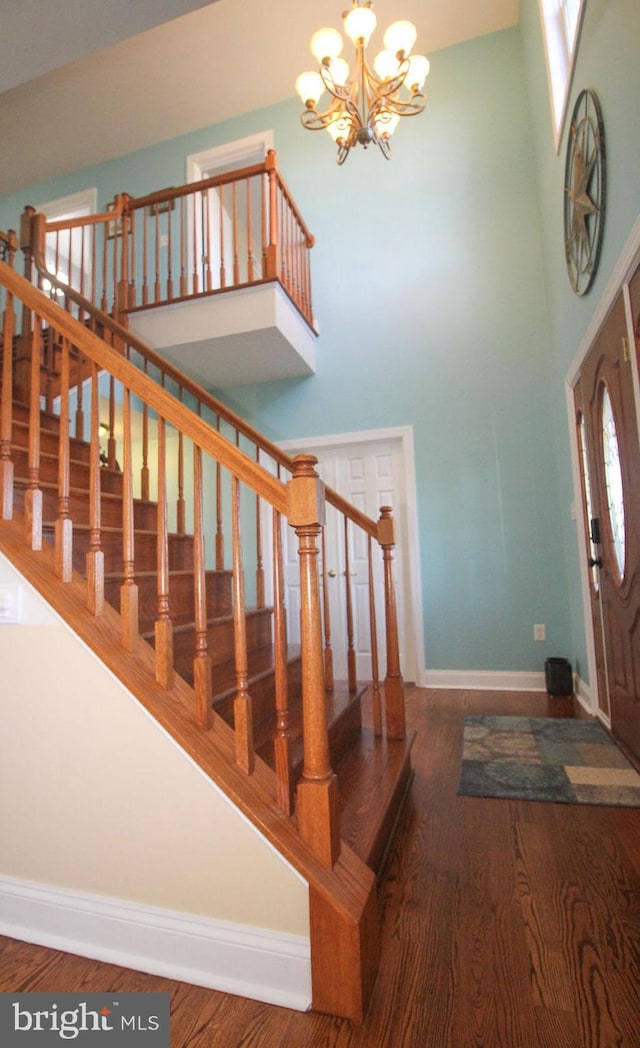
pixel 95 797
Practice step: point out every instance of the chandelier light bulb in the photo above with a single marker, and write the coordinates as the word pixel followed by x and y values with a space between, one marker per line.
pixel 326 43
pixel 386 65
pixel 359 24
pixel 400 37
pixel 418 72
pixel 339 70
pixel 339 128
pixel 310 88
pixel 386 123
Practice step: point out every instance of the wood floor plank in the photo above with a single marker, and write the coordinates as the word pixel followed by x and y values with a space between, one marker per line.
pixel 505 924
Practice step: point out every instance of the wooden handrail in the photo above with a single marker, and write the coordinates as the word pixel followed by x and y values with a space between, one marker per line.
pixel 159 399
pixel 89 220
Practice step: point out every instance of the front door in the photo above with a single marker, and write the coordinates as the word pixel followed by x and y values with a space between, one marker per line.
pixel 607 401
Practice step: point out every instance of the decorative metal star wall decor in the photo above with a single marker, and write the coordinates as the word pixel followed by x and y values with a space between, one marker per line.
pixel 584 192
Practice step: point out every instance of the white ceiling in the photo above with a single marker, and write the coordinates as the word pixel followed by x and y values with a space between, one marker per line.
pixel 59 111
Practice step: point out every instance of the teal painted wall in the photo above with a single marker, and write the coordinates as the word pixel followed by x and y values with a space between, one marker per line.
pixel 430 296
pixel 607 62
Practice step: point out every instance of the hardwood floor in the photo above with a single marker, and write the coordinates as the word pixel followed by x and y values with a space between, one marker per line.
pixel 505 924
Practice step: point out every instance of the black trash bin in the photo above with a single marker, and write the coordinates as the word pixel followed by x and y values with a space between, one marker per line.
pixel 558 677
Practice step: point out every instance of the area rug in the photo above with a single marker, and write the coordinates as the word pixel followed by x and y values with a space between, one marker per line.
pixel 546 759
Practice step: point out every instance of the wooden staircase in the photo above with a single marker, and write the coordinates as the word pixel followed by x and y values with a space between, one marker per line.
pixel 321 767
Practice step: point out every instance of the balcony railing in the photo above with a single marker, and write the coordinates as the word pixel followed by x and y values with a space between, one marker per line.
pixel 234 230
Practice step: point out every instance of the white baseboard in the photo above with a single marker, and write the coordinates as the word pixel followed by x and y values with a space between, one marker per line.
pixel 250 962
pixel 481 680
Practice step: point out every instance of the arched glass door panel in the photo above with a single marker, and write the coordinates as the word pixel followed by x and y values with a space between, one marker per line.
pixel 613 482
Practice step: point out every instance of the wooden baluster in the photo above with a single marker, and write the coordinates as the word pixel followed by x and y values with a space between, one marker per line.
pixel 144 469
pixel 284 260
pixel 22 367
pixel 111 443
pixel 131 295
pixel 169 254
pixel 69 275
pixel 121 278
pixel 351 655
pixel 260 594
pixel 223 278
pixel 219 524
pixel 95 555
pixel 206 234
pixel 249 235
pixel 145 271
pixel 318 812
pixel 48 362
pixel 129 614
pixel 105 257
pixel 79 419
pixel 157 292
pixel 183 247
pixel 94 251
pixel 64 527
pixel 375 673
pixel 264 183
pixel 180 505
pixel 271 267
pixel 282 737
pixel 326 609
pixel 114 269
pixel 196 268
pixel 163 624
pixel 236 259
pixel 393 683
pixel 202 660
pixel 33 494
pixel 6 411
pixel 82 266
pixel 242 706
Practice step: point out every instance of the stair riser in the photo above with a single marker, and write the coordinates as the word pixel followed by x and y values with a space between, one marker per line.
pixel 262 692
pixel 144 513
pixel 49 442
pixel 220 640
pixel 181 598
pixel 180 551
pixel 110 480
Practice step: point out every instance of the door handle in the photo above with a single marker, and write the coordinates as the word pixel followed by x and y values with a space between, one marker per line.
pixel 332 574
pixel 595 562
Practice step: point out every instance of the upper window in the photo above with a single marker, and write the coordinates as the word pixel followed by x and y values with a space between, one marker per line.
pixel 560 28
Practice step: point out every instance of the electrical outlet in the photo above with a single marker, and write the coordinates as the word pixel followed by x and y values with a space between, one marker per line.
pixel 540 632
pixel 164 240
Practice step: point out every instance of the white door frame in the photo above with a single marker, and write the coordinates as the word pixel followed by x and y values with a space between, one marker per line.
pixel 404 436
pixel 626 266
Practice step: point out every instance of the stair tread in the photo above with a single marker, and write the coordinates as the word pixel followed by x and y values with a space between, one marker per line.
pixel 374 776
pixel 339 706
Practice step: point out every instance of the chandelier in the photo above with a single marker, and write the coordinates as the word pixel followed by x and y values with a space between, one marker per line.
pixel 366 106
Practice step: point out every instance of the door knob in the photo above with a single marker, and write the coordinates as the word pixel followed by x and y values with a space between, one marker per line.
pixel 331 574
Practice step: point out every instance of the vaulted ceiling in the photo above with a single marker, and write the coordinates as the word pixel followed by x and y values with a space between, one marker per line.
pixel 102 79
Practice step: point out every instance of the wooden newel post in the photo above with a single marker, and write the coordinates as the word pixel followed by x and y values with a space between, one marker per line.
pixel 272 244
pixel 317 794
pixel 393 682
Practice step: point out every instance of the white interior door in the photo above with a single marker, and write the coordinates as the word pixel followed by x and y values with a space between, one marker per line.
pixel 370 474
